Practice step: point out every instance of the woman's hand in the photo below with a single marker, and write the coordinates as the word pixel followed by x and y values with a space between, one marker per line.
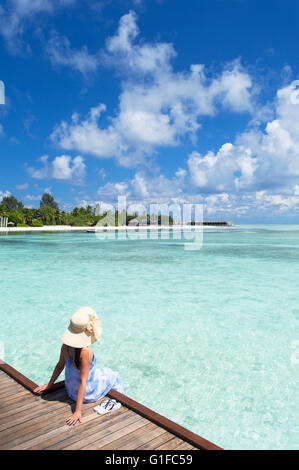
pixel 74 418
pixel 40 389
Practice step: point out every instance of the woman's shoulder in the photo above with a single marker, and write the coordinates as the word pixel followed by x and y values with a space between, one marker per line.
pixel 64 351
pixel 87 354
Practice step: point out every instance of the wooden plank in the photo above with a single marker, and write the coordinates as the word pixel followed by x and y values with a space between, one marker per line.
pixel 110 433
pixel 17 401
pixel 33 441
pixel 10 391
pixel 149 440
pixel 29 406
pixel 2 373
pixel 41 408
pixel 13 388
pixel 135 439
pixel 21 402
pixel 18 409
pixel 158 441
pixel 4 377
pixel 24 381
pixel 27 383
pixel 185 446
pixel 38 401
pixel 8 399
pixel 19 396
pixel 7 383
pixel 6 380
pixel 25 431
pixel 170 445
pixel 83 431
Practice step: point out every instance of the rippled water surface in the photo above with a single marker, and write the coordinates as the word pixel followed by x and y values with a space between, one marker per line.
pixel 206 337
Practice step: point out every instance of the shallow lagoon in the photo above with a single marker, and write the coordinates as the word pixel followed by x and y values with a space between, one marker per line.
pixel 205 337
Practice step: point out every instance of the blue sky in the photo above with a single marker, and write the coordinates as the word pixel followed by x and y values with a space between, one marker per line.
pixel 158 100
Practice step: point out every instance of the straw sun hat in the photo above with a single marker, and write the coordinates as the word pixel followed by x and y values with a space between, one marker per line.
pixel 84 329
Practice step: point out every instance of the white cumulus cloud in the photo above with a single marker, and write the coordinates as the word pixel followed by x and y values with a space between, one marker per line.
pixel 157 106
pixel 259 159
pixel 62 168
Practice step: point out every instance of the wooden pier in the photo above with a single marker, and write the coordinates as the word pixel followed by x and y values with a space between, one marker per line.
pixel 33 422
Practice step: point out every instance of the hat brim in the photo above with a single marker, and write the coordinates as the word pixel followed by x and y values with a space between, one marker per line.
pixel 78 340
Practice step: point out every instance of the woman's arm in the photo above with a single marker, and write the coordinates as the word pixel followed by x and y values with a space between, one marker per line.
pixel 85 361
pixel 57 371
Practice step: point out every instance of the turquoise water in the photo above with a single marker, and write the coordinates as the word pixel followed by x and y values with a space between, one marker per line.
pixel 204 337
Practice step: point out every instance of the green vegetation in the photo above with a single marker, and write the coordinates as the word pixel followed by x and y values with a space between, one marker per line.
pixel 10 203
pixel 47 214
pixel 50 214
pixel 47 200
pixel 36 223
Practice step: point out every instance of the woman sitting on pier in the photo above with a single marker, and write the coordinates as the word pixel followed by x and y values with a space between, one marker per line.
pixel 83 381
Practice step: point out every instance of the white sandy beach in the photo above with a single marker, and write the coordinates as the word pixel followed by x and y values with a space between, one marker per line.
pixel 68 228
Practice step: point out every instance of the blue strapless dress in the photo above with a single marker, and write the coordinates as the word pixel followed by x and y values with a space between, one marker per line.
pixel 98 384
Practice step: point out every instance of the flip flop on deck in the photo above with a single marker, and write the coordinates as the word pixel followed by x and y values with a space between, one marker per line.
pixel 107 406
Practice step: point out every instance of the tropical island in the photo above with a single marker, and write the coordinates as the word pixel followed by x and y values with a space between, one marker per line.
pixel 49 214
